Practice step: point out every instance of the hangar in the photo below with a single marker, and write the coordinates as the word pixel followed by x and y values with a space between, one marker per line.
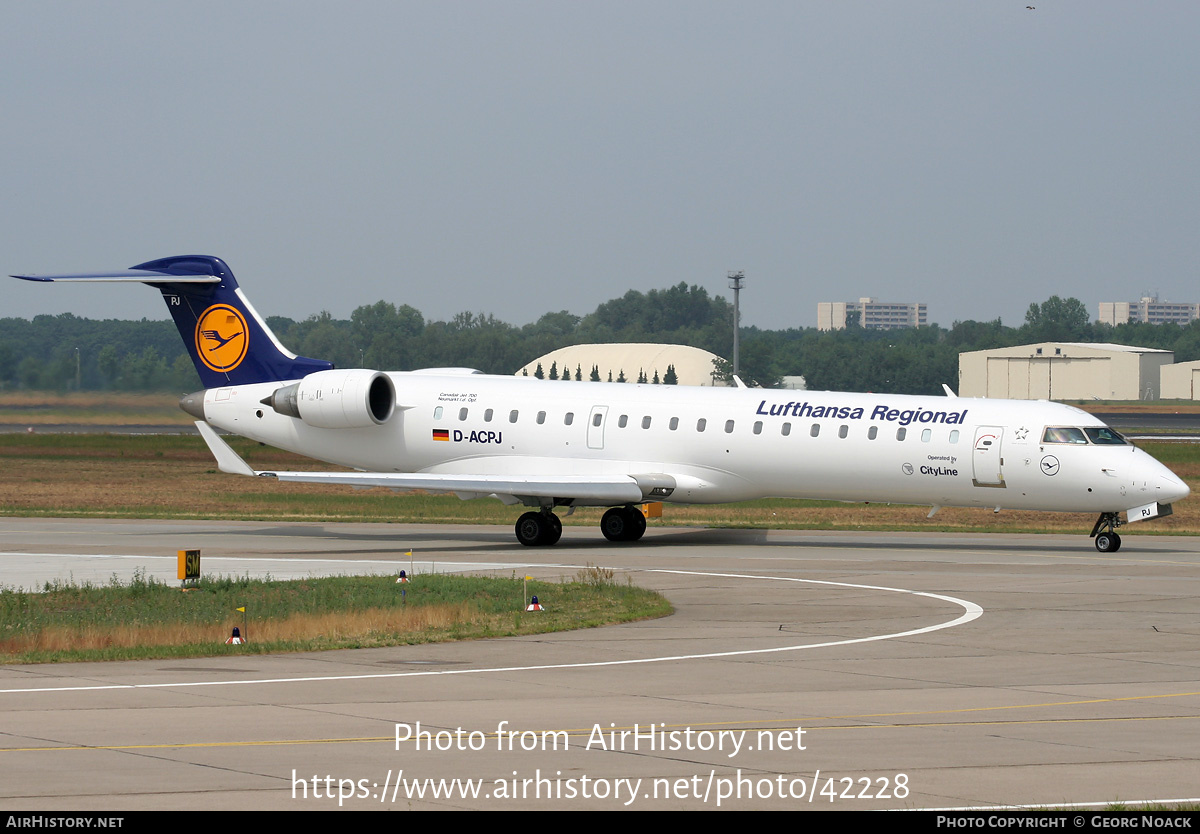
pixel 693 366
pixel 1181 381
pixel 1063 371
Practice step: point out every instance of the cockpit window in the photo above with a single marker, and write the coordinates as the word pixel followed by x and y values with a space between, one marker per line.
pixel 1061 434
pixel 1104 436
pixel 1097 435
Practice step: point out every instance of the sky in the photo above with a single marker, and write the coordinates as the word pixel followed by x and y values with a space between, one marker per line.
pixel 518 158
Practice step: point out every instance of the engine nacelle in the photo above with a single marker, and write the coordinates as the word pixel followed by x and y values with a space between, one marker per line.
pixel 337 399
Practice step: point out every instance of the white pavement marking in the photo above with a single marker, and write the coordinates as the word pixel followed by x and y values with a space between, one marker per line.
pixel 971 612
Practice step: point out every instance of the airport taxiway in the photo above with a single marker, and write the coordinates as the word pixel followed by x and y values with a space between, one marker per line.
pixel 925 670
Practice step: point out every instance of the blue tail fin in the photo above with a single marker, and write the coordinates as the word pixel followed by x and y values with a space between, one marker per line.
pixel 228 341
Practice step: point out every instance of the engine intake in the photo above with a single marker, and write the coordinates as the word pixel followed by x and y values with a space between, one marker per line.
pixel 337 399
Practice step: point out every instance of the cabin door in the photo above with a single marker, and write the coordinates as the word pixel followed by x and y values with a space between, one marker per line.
pixel 595 432
pixel 986 457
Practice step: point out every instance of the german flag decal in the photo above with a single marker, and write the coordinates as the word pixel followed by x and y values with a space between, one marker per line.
pixel 441 434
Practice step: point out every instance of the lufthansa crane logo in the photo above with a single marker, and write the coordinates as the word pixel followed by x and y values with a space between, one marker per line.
pixel 221 338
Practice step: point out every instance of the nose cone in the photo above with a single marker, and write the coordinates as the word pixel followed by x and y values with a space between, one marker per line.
pixel 1153 481
pixel 1170 488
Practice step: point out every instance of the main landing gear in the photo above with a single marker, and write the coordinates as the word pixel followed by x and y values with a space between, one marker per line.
pixel 623 524
pixel 542 528
pixel 1105 532
pixel 536 529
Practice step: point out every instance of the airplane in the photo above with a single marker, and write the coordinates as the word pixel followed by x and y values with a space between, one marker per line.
pixel 525 442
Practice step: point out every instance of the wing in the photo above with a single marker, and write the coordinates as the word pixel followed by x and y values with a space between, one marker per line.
pixel 603 490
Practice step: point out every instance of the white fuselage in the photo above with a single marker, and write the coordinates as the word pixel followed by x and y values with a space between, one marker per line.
pixel 726 444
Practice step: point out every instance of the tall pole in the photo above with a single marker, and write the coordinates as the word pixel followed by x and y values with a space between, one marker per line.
pixel 735 284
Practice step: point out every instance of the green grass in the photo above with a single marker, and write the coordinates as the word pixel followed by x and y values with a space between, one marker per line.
pixel 33 408
pixel 1172 454
pixel 149 619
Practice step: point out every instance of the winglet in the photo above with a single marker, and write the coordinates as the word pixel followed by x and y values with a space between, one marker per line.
pixel 949 392
pixel 227 459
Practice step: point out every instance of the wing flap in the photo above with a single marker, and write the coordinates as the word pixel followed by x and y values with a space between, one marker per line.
pixel 617 489
pixel 612 489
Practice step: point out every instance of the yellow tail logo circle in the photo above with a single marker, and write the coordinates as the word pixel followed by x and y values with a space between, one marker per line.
pixel 221 337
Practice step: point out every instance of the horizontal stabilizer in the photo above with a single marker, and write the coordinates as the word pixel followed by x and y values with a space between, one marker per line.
pixel 183 269
pixel 137 276
pixel 228 341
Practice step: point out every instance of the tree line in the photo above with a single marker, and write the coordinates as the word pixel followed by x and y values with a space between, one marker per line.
pixel 66 352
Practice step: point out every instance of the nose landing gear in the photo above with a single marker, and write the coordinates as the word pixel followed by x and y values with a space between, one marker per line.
pixel 1105 532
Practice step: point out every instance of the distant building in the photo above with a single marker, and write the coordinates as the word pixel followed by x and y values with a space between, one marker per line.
pixel 692 366
pixel 1181 381
pixel 1063 371
pixel 1149 310
pixel 872 314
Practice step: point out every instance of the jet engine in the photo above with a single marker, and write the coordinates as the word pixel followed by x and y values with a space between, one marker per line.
pixel 338 399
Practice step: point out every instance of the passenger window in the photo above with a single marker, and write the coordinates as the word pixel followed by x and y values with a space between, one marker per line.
pixel 569 418
pixel 729 427
pixel 926 434
pixel 785 429
pixel 674 424
pixel 541 418
pixel 623 421
pixel 700 424
pixel 462 414
pixel 758 426
pixel 901 433
pixel 596 418
pixel 437 413
pixel 872 432
pixel 815 430
pixel 645 422
pixel 954 436
pixel 512 416
pixel 487 416
pixel 843 431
